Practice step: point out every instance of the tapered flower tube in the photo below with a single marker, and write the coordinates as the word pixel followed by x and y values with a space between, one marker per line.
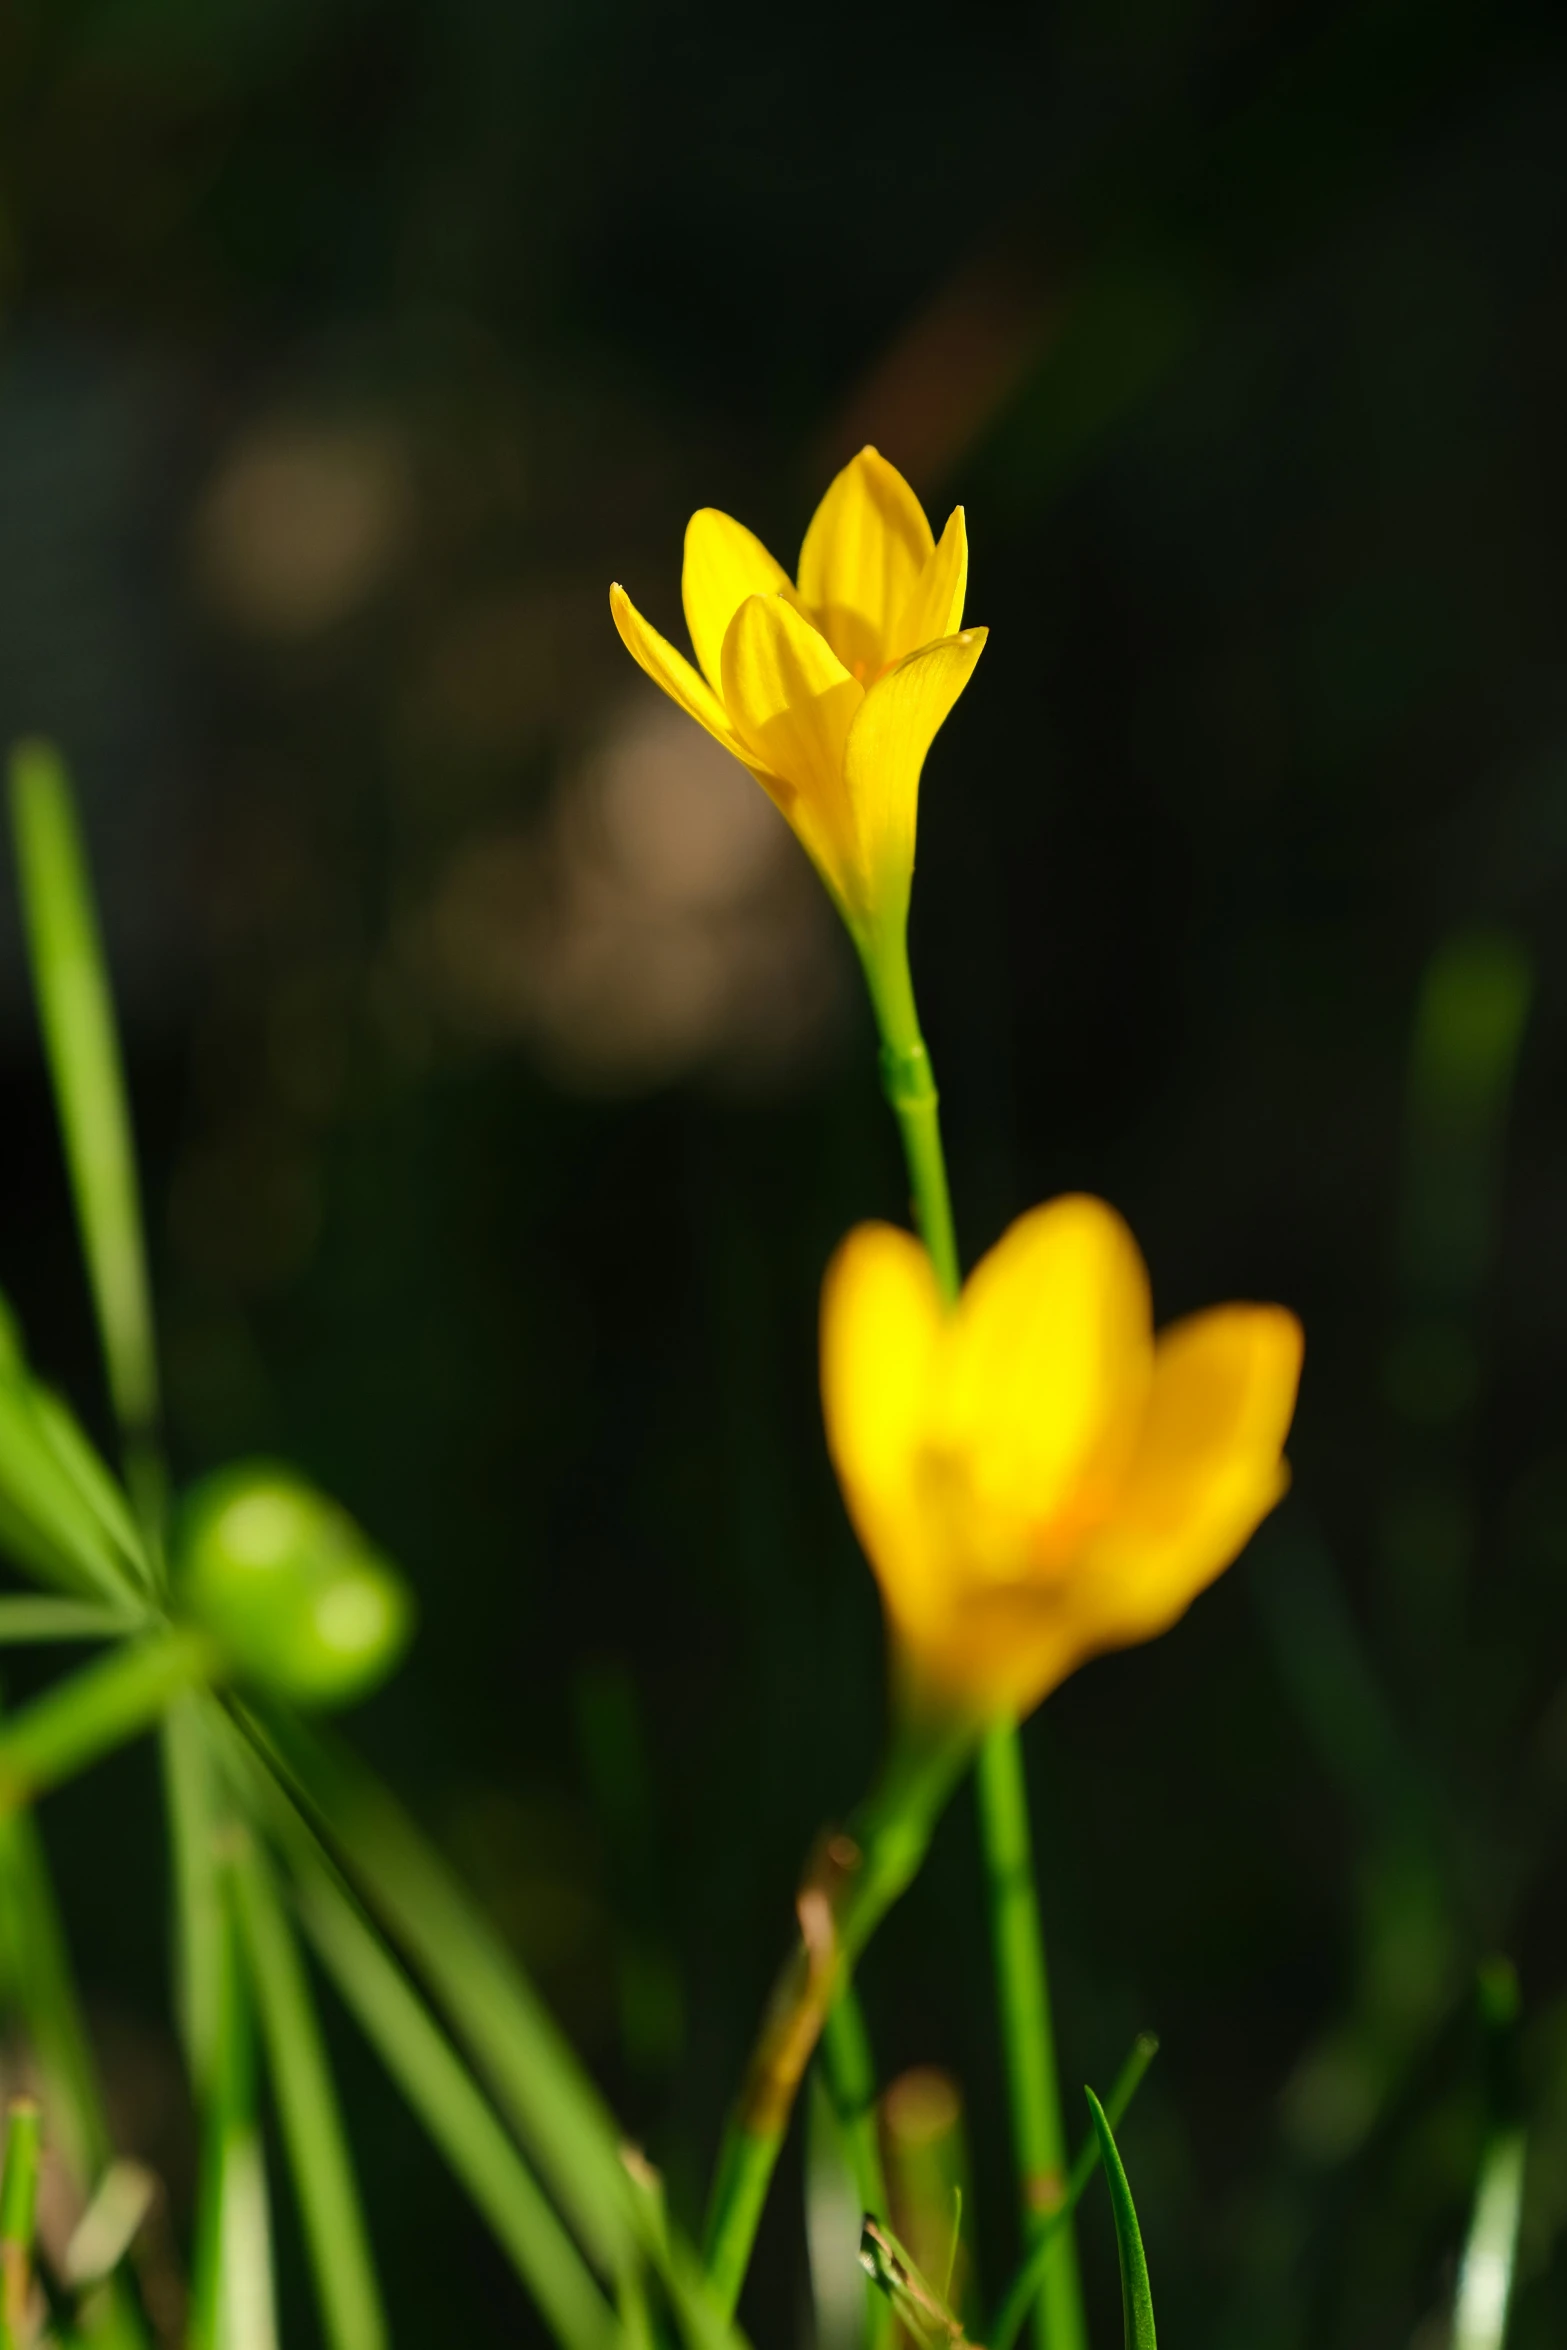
pixel 1035 1477
pixel 832 686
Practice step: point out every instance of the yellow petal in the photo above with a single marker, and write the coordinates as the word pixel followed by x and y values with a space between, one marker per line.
pixel 1046 1372
pixel 886 752
pixel 1208 1468
pixel 724 564
pixel 864 552
pixel 881 1320
pixel 791 703
pixel 673 672
pixel 935 605
pixel 882 1325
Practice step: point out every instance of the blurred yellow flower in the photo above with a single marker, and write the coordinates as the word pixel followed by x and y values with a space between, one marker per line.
pixel 830 690
pixel 1034 1476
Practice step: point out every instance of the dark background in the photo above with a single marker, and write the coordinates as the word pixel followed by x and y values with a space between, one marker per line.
pixel 503 1086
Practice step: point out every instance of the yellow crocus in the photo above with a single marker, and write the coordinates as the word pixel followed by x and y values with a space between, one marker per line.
pixel 829 688
pixel 1036 1477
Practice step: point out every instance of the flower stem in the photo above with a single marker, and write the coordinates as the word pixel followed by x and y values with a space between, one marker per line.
pixel 18 2210
pixel 852 1882
pixel 850 2072
pixel 1018 1939
pixel 1023 1989
pixel 909 1084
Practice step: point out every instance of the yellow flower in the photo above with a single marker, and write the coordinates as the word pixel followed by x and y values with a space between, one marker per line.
pixel 1034 1476
pixel 830 690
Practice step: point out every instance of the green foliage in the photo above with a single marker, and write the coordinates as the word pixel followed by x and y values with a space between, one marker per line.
pixel 1136 2299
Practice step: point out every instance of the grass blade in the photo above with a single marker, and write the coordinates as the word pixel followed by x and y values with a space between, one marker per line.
pixel 233 2299
pixel 536 2077
pixel 495 2008
pixel 194 1815
pixel 1008 2322
pixel 24 1622
pixel 339 2244
pixel 97 1709
pixel 1136 2299
pixel 423 2063
pixel 76 1014
pixel 45 1522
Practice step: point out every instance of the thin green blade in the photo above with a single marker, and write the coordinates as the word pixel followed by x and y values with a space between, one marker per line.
pixel 477 2150
pixel 233 2294
pixel 536 2078
pixel 47 1525
pixel 313 2132
pixel 76 1014
pixel 1007 2324
pixel 1136 2299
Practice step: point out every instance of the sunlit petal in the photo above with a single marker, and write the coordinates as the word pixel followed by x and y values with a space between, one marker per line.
pixel 1207 1469
pixel 1047 1378
pixel 864 552
pixel 673 672
pixel 792 702
pixel 724 563
pixel 886 751
pixel 935 604
pixel 881 1322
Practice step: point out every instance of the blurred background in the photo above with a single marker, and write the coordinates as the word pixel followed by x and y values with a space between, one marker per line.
pixel 503 1084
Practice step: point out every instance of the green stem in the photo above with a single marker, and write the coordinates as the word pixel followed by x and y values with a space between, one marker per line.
pixel 852 1883
pixel 1023 1991
pixel 1022 1984
pixel 909 1084
pixel 97 1709
pixel 850 2073
pixel 18 2211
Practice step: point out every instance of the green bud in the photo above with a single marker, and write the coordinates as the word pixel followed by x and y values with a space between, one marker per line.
pixel 290 1586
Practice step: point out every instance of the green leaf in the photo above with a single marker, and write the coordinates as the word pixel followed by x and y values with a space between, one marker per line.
pixel 1007 2324
pixel 94 1482
pixel 1136 2300
pixel 27 1621
pixel 76 1014
pixel 339 2243
pixel 536 2077
pixel 233 2295
pixel 46 1523
pixel 194 1816
pixel 97 1709
pixel 424 2065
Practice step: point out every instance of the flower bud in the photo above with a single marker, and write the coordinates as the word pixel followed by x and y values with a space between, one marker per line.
pixel 290 1586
